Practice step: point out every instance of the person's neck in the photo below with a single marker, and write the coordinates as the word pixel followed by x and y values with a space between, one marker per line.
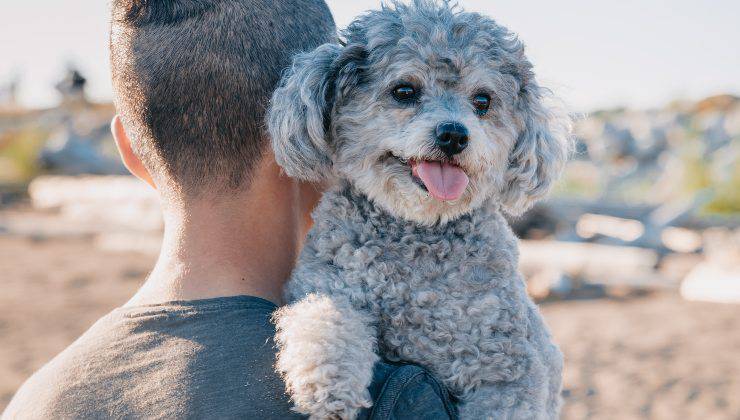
pixel 245 244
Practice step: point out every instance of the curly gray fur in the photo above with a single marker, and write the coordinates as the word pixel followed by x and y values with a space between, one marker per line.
pixel 447 297
pixel 436 280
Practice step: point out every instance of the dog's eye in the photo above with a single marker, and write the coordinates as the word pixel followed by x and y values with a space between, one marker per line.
pixel 481 103
pixel 404 93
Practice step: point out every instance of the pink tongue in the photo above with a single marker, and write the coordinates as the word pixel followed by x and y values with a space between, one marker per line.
pixel 443 180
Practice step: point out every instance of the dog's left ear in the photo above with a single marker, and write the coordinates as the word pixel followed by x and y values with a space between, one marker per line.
pixel 541 150
pixel 299 117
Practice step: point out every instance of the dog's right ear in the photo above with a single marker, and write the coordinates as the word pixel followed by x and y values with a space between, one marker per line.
pixel 299 117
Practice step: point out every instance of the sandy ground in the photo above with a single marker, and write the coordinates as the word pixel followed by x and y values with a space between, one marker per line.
pixel 652 357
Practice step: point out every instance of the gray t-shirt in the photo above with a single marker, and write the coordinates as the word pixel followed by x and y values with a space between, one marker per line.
pixel 208 358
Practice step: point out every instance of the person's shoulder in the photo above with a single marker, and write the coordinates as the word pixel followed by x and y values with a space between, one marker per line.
pixel 48 391
pixel 206 358
pixel 405 391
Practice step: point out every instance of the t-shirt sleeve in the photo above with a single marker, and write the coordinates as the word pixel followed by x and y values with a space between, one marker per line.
pixel 408 392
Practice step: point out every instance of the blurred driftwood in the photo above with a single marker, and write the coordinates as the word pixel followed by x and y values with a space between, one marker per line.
pixel 603 264
pixel 109 202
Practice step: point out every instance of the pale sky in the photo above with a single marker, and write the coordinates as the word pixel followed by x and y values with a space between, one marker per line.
pixel 593 54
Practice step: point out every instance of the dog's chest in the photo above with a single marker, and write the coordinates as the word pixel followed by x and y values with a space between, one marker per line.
pixel 422 267
pixel 446 297
pixel 391 264
pixel 446 302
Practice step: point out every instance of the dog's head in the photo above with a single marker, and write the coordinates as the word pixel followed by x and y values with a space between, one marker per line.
pixel 428 110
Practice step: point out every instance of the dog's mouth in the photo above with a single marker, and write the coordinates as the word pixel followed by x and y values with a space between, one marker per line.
pixel 444 180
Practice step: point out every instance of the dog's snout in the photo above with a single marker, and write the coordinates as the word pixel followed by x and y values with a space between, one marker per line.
pixel 451 137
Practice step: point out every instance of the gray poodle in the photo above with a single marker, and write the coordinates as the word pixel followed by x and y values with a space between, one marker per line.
pixel 429 123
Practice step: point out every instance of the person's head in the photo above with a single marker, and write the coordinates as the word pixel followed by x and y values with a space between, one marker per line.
pixel 192 79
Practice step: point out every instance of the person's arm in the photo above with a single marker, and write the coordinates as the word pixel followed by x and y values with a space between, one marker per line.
pixel 402 391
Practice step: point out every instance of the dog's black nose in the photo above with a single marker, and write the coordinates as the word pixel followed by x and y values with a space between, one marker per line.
pixel 452 137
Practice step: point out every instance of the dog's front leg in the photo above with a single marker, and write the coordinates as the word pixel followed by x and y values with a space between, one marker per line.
pixel 327 350
pixel 526 396
pixel 523 399
pixel 533 395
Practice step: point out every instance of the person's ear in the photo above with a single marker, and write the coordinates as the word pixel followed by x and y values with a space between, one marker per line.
pixel 129 158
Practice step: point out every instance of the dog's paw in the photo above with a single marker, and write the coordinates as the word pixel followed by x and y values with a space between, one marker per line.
pixel 326 356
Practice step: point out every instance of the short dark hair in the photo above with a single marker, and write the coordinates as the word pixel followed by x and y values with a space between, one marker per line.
pixel 193 79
